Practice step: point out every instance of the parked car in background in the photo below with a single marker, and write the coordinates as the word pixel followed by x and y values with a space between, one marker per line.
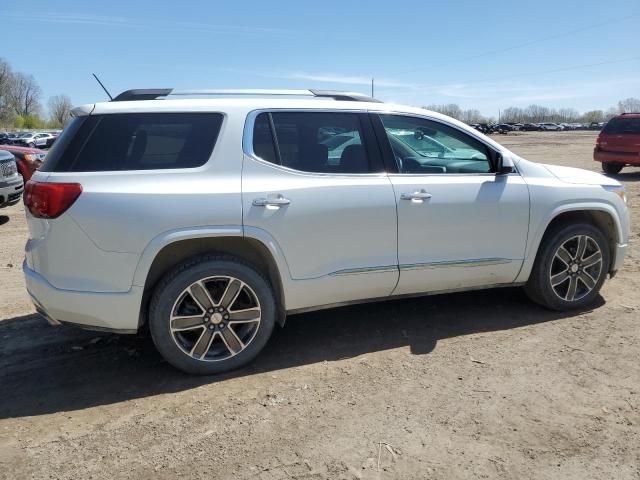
pixel 54 136
pixel 34 139
pixel 550 126
pixel 448 207
pixel 596 125
pixel 618 144
pixel 531 127
pixel 11 184
pixel 4 138
pixel 28 159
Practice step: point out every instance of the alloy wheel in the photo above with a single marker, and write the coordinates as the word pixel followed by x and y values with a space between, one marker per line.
pixel 576 268
pixel 215 318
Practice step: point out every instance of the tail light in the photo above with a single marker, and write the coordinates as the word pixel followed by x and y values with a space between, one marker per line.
pixel 599 142
pixel 33 162
pixel 50 200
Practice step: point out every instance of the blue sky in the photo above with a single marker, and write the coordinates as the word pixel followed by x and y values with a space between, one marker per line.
pixel 480 54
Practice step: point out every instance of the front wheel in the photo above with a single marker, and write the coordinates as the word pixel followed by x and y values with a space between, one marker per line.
pixel 212 314
pixel 612 168
pixel 570 268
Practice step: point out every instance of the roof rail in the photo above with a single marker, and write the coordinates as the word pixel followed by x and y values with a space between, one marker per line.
pixel 154 93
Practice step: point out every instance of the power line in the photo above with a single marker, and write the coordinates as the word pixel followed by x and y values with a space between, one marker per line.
pixel 543 72
pixel 525 44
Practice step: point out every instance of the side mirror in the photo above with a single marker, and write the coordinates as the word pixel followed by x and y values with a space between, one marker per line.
pixel 504 165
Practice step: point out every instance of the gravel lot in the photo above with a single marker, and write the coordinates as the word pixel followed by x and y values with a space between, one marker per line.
pixel 473 385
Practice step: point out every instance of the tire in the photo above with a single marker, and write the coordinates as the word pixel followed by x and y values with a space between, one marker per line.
pixel 611 168
pixel 227 343
pixel 31 145
pixel 549 265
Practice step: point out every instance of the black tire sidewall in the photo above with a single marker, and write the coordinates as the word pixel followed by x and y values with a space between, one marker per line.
pixel 612 168
pixel 175 282
pixel 539 285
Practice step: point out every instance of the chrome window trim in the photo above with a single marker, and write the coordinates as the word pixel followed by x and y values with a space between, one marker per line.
pixel 247 142
pixel 473 135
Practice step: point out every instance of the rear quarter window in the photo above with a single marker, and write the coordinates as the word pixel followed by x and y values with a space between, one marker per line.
pixel 135 141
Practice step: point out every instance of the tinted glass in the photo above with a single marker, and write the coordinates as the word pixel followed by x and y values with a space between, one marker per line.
pixel 140 141
pixel 322 142
pixel 622 126
pixel 263 145
pixel 423 146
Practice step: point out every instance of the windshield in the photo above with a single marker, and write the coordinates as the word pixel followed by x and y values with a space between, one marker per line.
pixel 423 144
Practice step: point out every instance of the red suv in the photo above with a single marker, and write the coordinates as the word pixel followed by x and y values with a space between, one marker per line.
pixel 28 159
pixel 619 143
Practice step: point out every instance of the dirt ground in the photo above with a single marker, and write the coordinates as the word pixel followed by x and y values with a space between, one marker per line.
pixel 473 385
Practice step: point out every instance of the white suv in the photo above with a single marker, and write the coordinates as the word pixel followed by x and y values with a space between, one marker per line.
pixel 211 219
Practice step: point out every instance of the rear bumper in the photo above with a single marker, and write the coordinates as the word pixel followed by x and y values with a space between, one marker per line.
pixel 116 312
pixel 616 157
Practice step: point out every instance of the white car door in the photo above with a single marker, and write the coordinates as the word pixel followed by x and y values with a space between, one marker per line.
pixel 320 193
pixel 460 225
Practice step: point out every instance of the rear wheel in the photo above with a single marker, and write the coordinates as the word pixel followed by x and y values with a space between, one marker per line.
pixel 570 268
pixel 612 168
pixel 212 314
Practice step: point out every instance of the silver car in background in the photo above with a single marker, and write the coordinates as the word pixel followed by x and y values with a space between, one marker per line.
pixel 11 184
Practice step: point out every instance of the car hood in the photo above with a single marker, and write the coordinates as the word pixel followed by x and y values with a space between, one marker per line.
pixel 578 175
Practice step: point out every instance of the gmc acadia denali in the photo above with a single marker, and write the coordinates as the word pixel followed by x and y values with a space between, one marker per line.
pixel 211 215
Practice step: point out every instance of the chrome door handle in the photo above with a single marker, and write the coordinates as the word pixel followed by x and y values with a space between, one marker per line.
pixel 419 195
pixel 271 201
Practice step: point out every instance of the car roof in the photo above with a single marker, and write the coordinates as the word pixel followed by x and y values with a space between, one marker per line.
pixel 15 148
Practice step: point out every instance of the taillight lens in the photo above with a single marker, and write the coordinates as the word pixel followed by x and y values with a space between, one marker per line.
pixel 50 200
pixel 33 162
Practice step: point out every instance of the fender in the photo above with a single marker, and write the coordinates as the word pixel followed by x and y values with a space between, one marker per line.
pixel 160 241
pixel 538 233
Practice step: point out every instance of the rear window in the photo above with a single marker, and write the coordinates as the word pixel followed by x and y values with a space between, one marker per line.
pixel 622 126
pixel 134 141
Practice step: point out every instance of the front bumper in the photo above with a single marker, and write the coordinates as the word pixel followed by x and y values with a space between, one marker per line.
pixel 115 312
pixel 10 190
pixel 621 251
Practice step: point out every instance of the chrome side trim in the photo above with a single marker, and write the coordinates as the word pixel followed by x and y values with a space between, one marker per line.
pixel 359 271
pixel 399 297
pixel 477 262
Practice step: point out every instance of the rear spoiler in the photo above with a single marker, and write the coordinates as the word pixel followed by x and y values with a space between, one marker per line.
pixel 83 110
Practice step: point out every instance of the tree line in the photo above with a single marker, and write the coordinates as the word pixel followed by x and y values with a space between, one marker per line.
pixel 20 107
pixel 20 97
pixel 538 113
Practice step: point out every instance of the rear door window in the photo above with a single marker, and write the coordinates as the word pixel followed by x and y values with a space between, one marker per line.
pixel 317 142
pixel 135 141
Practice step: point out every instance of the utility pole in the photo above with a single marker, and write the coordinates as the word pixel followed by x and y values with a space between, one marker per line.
pixel 372 87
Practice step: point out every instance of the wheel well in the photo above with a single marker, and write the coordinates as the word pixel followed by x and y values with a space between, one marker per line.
pixel 598 218
pixel 247 249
